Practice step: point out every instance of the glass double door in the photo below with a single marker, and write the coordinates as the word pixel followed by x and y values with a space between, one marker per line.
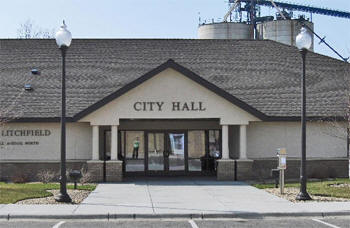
pixel 165 152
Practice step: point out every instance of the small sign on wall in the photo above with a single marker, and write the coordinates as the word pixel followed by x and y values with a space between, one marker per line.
pixel 282 165
pixel 22 137
pixel 282 158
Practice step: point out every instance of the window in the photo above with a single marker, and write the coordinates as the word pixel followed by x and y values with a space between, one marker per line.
pixel 108 135
pixel 132 148
pixel 196 150
pixel 214 144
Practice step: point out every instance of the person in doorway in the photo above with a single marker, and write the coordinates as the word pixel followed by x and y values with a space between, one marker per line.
pixel 136 145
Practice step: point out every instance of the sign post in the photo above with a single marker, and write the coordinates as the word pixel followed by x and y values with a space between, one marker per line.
pixel 282 165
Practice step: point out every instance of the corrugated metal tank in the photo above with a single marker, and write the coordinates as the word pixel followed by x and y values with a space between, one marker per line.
pixel 283 31
pixel 225 30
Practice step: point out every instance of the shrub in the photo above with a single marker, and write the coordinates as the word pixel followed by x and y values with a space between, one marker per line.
pixel 67 174
pixel 323 172
pixel 86 176
pixel 19 178
pixel 46 176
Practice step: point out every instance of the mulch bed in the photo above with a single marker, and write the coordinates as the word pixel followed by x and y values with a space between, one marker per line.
pixel 291 193
pixel 77 197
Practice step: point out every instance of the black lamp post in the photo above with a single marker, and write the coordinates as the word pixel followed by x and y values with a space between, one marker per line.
pixel 303 42
pixel 63 40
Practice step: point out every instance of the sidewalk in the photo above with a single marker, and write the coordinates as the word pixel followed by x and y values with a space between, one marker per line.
pixel 177 198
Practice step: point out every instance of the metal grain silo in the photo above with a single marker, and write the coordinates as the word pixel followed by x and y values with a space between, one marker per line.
pixel 283 31
pixel 225 30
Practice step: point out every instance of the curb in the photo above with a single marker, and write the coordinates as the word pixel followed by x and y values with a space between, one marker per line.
pixel 248 215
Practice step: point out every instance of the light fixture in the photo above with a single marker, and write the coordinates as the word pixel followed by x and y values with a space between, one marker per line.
pixel 63 36
pixel 303 39
pixel 63 40
pixel 35 71
pixel 28 87
pixel 303 42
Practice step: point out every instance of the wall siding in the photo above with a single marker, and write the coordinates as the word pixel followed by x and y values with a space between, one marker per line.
pixel 324 139
pixel 78 142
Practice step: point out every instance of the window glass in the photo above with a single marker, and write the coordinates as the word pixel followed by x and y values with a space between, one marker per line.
pixel 133 149
pixel 108 145
pixel 214 144
pixel 121 146
pixel 155 151
pixel 134 145
pixel 176 151
pixel 196 144
pixel 133 165
pixel 196 150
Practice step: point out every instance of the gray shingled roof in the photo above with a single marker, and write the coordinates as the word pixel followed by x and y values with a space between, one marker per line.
pixel 264 74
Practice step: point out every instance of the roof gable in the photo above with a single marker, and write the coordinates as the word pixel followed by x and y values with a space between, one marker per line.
pixel 185 72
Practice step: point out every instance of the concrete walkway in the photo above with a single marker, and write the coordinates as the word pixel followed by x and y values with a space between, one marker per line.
pixel 160 197
pixel 177 198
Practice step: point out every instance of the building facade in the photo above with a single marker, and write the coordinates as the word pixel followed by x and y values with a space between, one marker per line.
pixel 170 107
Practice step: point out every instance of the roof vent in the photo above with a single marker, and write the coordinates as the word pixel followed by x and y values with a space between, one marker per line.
pixel 28 87
pixel 35 71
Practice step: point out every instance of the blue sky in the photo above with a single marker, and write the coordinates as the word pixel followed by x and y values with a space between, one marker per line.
pixel 150 18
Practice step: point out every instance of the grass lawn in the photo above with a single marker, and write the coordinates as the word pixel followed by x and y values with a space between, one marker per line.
pixel 321 188
pixel 11 193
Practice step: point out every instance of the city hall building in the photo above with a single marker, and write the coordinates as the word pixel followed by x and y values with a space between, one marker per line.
pixel 168 107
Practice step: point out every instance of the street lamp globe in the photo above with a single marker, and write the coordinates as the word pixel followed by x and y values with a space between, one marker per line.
pixel 303 39
pixel 63 36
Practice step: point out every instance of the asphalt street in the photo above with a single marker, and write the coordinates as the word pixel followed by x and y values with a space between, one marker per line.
pixel 334 222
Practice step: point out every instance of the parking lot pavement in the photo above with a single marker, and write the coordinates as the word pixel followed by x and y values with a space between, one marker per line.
pixel 334 222
pixel 30 224
pixel 278 223
pixel 340 222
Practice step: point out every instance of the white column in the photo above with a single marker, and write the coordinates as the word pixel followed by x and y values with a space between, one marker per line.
pixel 243 142
pixel 95 143
pixel 225 150
pixel 114 142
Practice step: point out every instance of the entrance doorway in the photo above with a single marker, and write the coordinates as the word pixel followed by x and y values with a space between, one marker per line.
pixel 166 152
pixel 169 152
